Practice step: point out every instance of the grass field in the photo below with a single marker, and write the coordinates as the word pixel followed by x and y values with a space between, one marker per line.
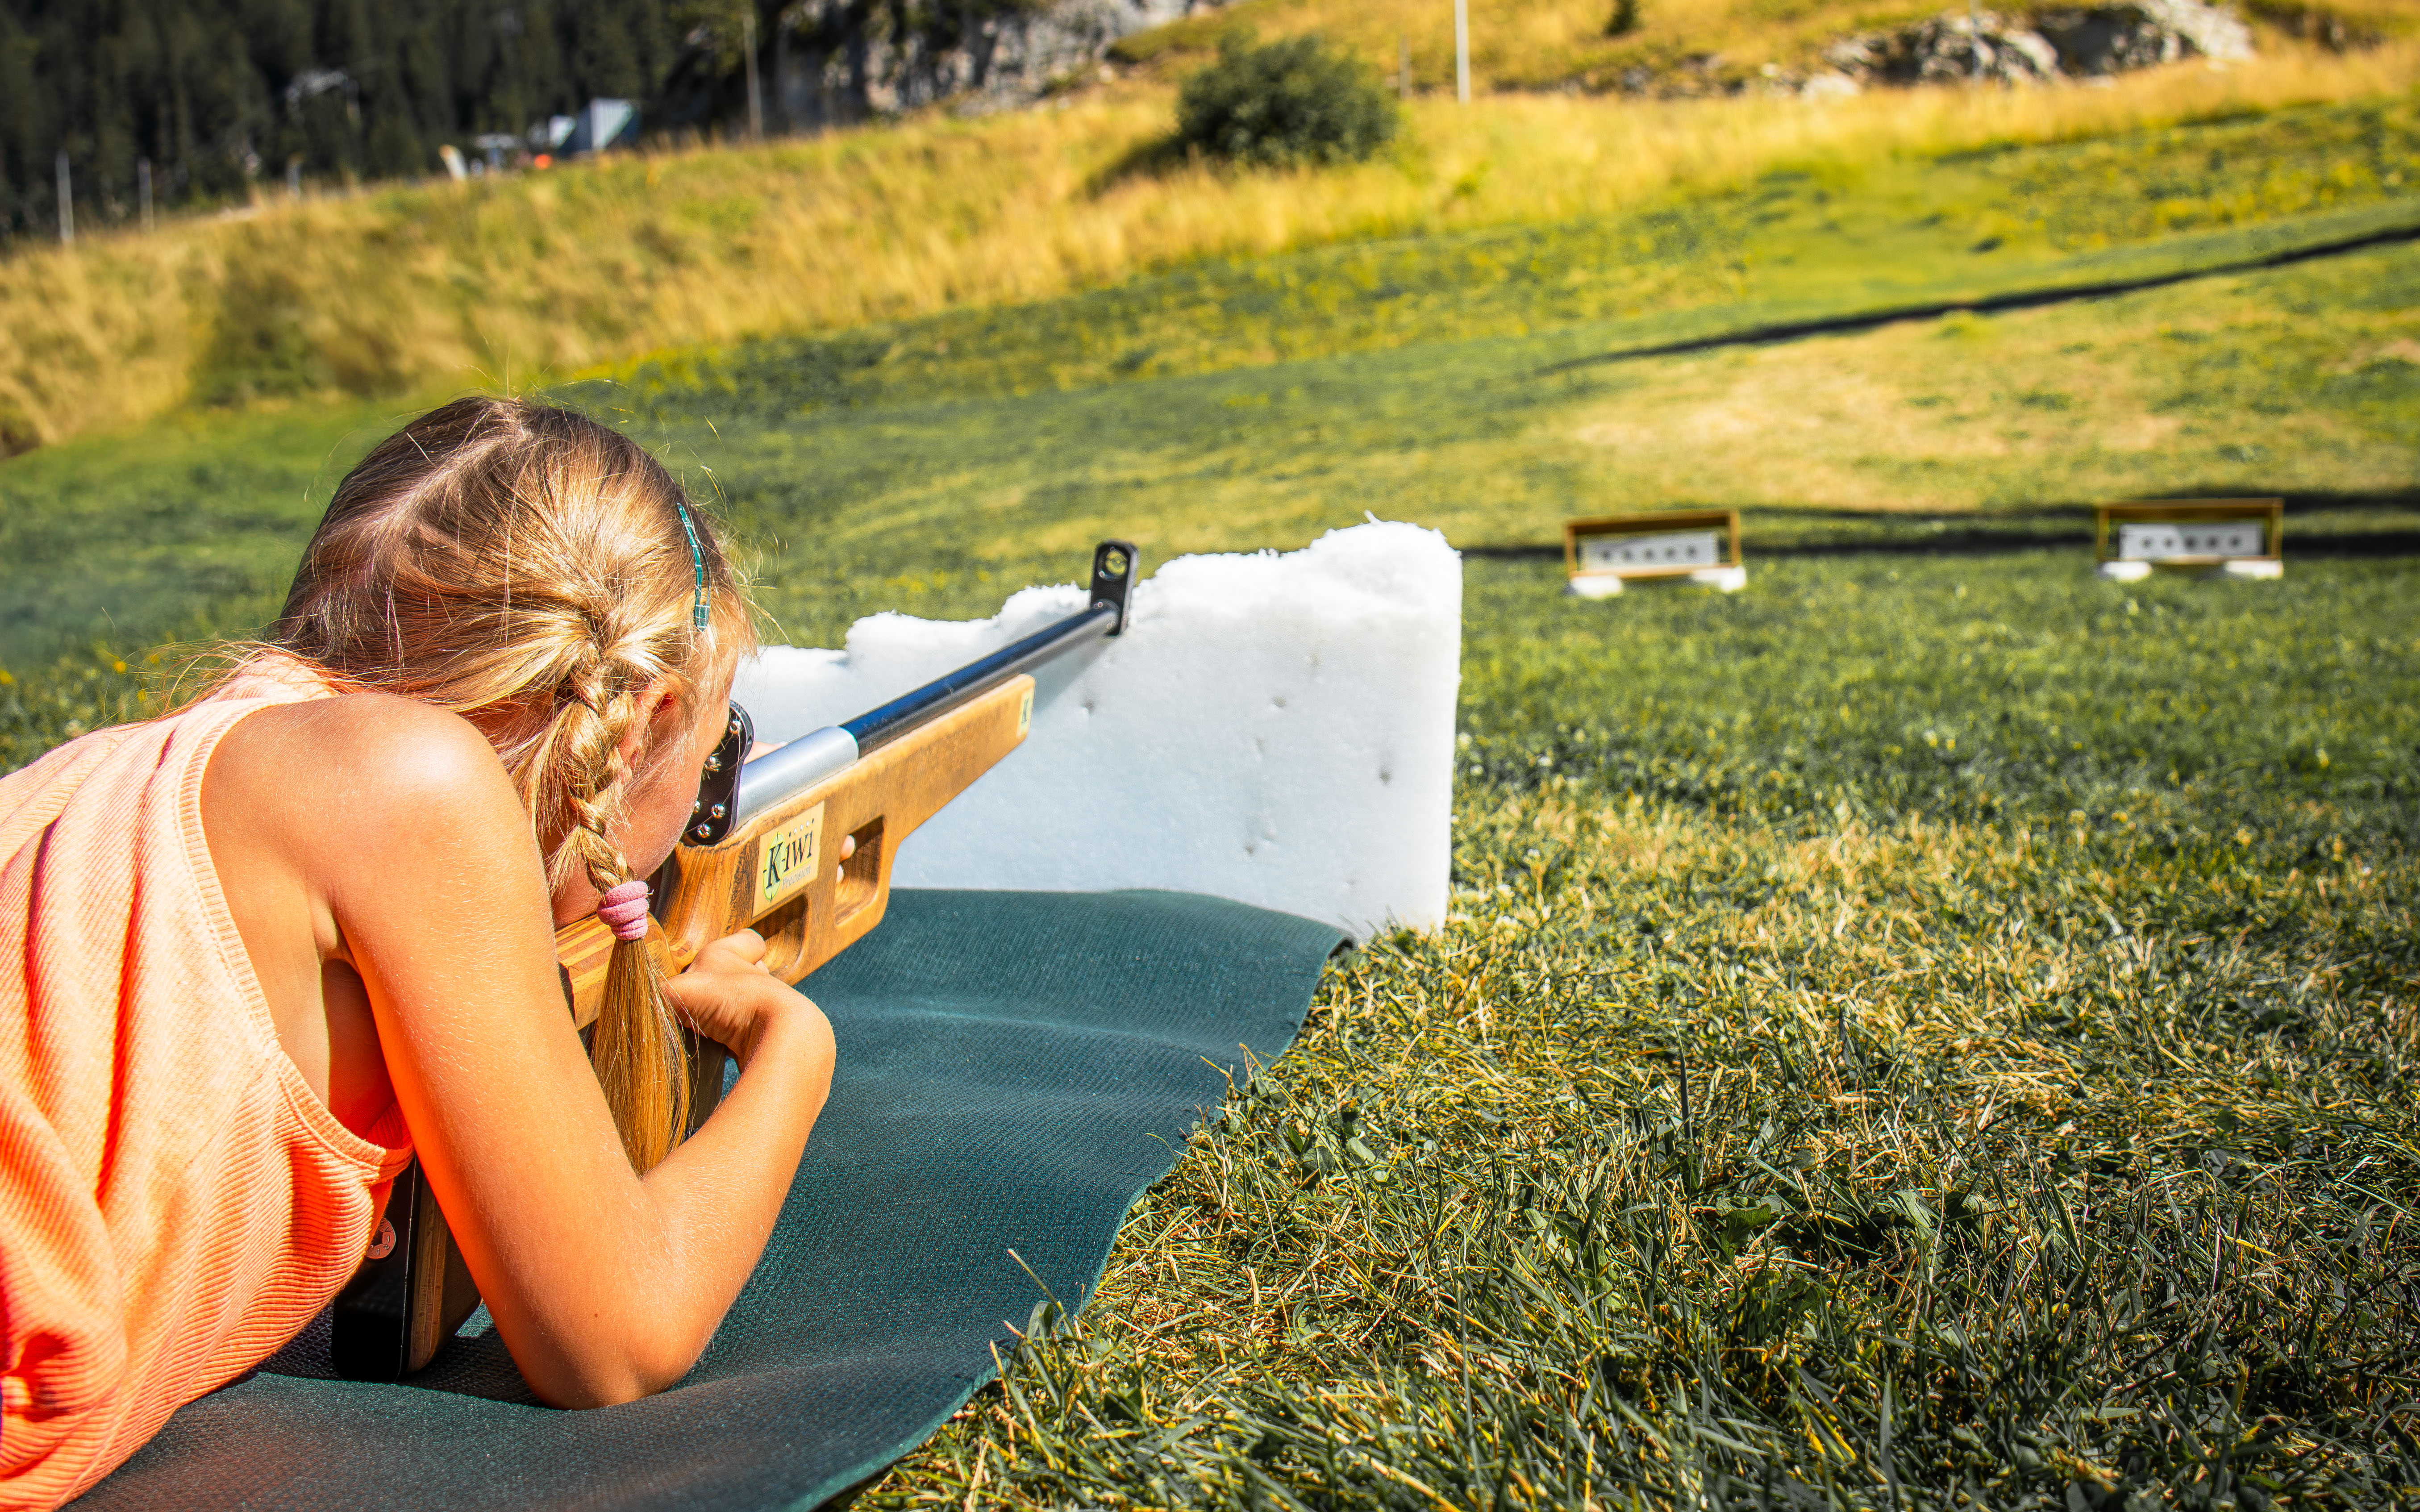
pixel 1926 1031
pixel 1914 1038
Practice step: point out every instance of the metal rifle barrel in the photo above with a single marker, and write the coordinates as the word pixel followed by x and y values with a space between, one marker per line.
pixel 879 726
pixel 807 760
pixel 786 769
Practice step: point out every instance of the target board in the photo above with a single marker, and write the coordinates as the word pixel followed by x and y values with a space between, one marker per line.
pixel 2207 538
pixel 1698 546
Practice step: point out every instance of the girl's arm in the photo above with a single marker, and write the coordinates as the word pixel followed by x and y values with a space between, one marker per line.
pixel 410 855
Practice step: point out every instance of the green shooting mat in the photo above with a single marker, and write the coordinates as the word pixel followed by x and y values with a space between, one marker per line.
pixel 1015 1069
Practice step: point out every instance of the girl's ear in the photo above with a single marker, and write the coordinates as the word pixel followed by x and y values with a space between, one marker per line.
pixel 660 713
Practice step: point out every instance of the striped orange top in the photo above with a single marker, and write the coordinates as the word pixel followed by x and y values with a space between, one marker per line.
pixel 175 1202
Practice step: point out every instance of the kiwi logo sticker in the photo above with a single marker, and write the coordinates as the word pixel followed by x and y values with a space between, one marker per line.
pixel 785 859
pixel 1024 712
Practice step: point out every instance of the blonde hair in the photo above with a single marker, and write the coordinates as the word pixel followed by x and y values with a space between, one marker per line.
pixel 526 566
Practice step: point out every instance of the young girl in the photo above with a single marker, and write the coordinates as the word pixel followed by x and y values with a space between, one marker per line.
pixel 266 949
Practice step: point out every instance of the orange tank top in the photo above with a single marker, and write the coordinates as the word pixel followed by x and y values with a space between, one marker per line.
pixel 175 1202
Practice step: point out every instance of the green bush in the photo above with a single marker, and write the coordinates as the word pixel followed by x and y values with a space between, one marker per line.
pixel 1297 101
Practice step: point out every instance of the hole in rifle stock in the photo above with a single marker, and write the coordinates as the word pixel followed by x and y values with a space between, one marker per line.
pixel 786 937
pixel 861 876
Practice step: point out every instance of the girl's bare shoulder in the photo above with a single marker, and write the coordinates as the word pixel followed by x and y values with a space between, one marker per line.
pixel 359 762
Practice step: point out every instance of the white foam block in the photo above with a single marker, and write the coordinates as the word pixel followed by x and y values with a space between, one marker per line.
pixel 1276 729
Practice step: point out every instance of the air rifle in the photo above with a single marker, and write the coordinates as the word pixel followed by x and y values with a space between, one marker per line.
pixel 798 845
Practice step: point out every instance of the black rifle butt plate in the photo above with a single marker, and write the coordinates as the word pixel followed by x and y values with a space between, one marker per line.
pixel 370 1333
pixel 413 1281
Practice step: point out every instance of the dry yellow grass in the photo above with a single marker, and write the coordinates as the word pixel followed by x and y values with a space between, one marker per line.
pixel 513 281
pixel 1527 44
pixel 1535 45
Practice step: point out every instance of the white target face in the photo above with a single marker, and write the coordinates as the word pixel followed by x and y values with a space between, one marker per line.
pixel 1672 548
pixel 2189 540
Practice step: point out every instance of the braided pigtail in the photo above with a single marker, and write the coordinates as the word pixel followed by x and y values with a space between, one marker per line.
pixel 636 1044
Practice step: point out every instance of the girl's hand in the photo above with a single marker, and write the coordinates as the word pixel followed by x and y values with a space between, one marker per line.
pixel 728 996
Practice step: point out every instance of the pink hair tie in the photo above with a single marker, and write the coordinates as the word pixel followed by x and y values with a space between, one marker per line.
pixel 624 911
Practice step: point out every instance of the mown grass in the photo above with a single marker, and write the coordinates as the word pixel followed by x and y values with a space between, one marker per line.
pixel 1916 1036
pixel 192 531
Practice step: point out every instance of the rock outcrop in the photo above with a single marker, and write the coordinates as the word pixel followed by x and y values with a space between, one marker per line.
pixel 2141 33
pixel 837 61
pixel 2076 42
pixel 1954 45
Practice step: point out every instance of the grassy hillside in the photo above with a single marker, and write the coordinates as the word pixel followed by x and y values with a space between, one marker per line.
pixel 2292 381
pixel 1452 380
pixel 1813 238
pixel 548 275
pixel 1446 378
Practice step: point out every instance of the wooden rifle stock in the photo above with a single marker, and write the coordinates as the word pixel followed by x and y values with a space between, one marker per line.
pixel 811 872
pixel 782 874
